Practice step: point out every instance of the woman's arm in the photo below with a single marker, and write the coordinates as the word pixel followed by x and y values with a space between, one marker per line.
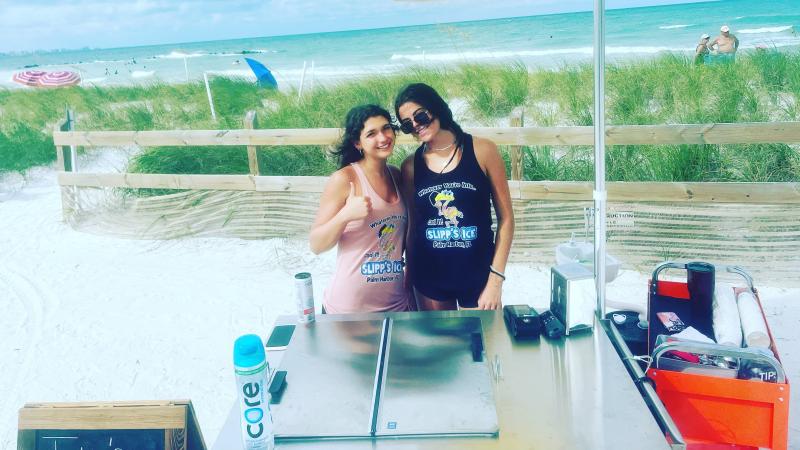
pixel 492 164
pixel 407 187
pixel 338 205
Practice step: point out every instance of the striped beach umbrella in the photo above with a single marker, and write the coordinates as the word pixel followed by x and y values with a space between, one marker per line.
pixel 59 78
pixel 28 77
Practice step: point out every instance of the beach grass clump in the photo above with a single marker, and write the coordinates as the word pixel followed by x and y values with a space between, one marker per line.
pixel 759 86
pixel 191 160
pixel 572 88
pixel 22 147
pixel 493 91
pixel 548 163
pixel 762 163
pixel 309 160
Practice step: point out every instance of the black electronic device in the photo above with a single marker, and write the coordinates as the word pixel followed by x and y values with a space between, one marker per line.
pixel 476 344
pixel 280 337
pixel 553 328
pixel 522 321
pixel 276 386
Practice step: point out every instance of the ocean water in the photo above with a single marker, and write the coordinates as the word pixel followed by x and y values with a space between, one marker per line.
pixel 538 41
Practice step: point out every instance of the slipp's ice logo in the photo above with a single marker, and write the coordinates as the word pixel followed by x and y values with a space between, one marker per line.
pixel 254 413
pixel 452 233
pixel 381 267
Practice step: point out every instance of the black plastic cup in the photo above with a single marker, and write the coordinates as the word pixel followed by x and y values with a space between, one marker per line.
pixel 700 281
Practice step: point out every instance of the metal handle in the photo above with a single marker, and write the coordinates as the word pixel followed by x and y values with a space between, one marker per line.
pixel 659 268
pixel 720 350
pixel 648 393
pixel 676 265
pixel 743 273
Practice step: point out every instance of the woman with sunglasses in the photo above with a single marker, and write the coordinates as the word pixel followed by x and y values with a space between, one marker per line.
pixel 450 183
pixel 361 211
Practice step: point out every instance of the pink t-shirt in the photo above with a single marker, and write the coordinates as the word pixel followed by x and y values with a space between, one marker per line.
pixel 369 260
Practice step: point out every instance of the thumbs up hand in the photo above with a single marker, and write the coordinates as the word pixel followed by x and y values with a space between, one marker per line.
pixel 356 207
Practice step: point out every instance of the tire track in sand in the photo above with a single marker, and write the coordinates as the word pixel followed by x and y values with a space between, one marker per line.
pixel 20 293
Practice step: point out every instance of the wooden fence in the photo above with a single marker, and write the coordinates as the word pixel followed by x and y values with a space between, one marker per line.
pixel 756 225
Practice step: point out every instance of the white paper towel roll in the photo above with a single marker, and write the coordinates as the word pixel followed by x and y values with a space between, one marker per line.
pixel 753 326
pixel 725 315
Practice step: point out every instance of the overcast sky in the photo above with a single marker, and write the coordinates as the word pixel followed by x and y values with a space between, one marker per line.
pixel 54 24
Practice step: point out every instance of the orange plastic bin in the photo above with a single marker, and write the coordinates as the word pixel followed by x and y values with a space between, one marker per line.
pixel 721 413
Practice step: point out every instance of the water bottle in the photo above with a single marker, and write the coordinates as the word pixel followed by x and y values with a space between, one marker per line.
pixel 252 371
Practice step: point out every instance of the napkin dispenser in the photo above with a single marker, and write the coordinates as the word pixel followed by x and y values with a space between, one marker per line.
pixel 573 298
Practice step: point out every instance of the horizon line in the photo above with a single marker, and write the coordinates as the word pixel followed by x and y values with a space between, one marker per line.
pixel 60 50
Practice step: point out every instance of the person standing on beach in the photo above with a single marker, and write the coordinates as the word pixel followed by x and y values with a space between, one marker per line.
pixel 450 184
pixel 726 44
pixel 361 210
pixel 701 52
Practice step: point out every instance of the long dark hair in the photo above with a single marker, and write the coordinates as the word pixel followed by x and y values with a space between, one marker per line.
pixel 354 121
pixel 428 98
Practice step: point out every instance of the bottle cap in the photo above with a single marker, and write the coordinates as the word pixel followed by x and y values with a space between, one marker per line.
pixel 248 351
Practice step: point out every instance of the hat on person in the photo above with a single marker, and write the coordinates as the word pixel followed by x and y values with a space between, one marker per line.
pixel 725 29
pixel 705 36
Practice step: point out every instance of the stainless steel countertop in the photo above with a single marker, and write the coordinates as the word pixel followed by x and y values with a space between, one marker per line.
pixel 572 393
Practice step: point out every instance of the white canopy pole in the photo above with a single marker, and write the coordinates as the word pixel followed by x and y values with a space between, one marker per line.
pixel 599 194
pixel 210 100
pixel 302 80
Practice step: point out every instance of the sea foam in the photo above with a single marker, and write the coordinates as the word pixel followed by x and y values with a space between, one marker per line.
pixel 765 30
pixel 180 55
pixel 532 53
pixel 142 73
pixel 672 27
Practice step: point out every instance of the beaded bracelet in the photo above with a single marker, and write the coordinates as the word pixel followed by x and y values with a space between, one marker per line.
pixel 497 272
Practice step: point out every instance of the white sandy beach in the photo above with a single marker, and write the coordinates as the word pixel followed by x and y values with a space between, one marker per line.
pixel 95 318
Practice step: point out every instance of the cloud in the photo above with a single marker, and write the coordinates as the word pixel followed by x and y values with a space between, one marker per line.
pixel 39 24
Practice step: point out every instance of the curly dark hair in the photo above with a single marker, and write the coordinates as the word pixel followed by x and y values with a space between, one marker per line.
pixel 354 122
pixel 428 98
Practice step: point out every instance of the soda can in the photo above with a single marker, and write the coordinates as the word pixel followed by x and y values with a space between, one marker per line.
pixel 304 292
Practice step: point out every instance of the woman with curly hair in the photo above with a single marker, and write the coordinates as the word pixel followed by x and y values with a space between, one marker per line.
pixel 361 210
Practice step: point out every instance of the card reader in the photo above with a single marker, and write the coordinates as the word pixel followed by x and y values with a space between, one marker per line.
pixel 522 321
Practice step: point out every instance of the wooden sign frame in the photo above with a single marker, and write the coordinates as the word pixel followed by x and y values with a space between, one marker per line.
pixel 176 418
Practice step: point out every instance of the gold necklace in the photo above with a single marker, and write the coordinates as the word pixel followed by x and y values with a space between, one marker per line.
pixel 452 156
pixel 440 149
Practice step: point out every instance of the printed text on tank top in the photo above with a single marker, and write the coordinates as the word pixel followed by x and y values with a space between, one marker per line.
pixel 452 236
pixel 369 274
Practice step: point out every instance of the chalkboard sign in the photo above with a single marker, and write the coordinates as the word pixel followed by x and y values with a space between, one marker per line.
pixel 156 425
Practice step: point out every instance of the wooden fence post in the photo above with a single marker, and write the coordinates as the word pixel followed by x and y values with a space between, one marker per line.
pixel 516 150
pixel 67 162
pixel 252 156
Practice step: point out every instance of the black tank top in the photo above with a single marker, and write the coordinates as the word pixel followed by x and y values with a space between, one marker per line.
pixel 453 239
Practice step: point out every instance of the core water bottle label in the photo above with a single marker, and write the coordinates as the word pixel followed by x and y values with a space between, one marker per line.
pixel 256 419
pixel 254 413
pixel 249 371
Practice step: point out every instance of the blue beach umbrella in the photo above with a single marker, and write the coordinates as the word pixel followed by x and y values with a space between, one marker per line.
pixel 263 75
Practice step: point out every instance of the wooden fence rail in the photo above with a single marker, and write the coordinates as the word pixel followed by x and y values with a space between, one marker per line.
pixel 729 133
pixel 516 136
pixel 764 193
pixel 752 224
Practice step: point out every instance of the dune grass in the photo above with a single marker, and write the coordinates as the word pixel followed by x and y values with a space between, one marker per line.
pixel 760 86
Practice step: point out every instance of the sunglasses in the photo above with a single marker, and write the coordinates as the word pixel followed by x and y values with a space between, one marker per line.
pixel 420 117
